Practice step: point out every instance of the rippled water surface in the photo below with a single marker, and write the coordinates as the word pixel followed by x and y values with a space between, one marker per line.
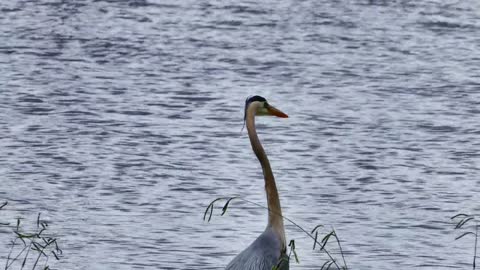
pixel 120 121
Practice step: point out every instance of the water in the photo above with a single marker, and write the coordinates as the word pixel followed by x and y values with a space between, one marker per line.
pixel 120 121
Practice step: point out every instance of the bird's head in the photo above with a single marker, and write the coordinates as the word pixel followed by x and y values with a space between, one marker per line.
pixel 263 107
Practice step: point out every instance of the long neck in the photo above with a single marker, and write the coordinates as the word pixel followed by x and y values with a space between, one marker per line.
pixel 275 219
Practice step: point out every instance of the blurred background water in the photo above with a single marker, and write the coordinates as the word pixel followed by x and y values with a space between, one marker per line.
pixel 120 121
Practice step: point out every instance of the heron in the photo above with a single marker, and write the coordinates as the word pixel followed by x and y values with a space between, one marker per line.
pixel 269 249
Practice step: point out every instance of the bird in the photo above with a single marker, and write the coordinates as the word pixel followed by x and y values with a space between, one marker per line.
pixel 269 249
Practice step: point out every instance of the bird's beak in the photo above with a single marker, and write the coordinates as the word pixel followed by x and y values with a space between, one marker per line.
pixel 276 112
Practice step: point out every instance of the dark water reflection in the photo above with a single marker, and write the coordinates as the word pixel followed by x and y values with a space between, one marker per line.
pixel 121 120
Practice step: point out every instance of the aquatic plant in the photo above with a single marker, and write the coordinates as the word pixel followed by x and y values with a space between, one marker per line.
pixel 469 224
pixel 31 247
pixel 207 216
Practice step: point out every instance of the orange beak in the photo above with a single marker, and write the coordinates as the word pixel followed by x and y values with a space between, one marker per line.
pixel 274 111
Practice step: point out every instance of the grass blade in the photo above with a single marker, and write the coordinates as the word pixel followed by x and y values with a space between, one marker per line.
pixel 467 233
pixel 463 222
pixel 225 207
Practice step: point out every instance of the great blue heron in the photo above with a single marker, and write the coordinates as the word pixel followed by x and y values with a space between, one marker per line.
pixel 269 249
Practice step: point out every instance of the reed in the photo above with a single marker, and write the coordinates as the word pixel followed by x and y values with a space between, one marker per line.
pixel 31 249
pixel 469 225
pixel 321 244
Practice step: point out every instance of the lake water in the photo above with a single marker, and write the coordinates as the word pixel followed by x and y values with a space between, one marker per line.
pixel 121 120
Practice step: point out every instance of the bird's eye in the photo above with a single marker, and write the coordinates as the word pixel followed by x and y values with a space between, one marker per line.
pixel 265 104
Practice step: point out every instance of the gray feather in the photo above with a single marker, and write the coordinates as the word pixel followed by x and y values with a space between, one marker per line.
pixel 263 254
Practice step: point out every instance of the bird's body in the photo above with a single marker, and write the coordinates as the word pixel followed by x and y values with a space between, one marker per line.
pixel 262 254
pixel 269 249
